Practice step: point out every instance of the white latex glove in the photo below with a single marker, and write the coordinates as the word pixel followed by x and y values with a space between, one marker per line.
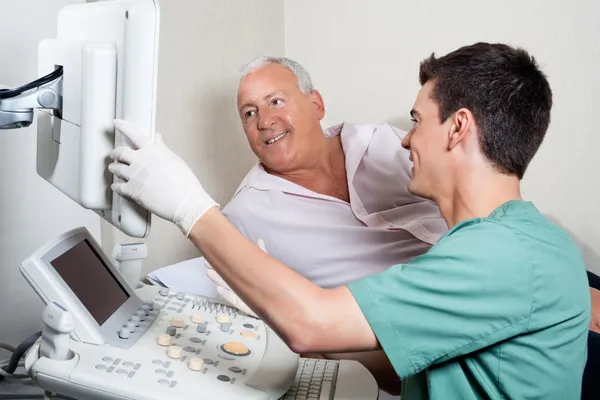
pixel 225 291
pixel 157 179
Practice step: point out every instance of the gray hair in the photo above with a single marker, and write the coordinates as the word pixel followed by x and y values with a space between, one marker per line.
pixel 302 77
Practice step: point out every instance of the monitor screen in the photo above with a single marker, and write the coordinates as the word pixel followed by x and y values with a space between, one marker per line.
pixel 91 281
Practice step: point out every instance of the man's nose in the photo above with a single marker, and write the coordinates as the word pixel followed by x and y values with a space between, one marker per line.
pixel 406 140
pixel 266 118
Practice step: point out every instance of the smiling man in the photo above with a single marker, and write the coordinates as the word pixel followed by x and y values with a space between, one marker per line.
pixel 314 192
pixel 497 308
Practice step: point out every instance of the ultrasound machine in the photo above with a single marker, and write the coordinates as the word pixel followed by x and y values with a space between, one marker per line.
pixel 104 340
pixel 102 337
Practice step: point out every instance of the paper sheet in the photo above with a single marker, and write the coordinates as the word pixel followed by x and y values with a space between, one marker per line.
pixel 188 276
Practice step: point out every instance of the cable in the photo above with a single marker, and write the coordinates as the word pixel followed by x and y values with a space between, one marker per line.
pixel 8 347
pixel 13 363
pixel 8 93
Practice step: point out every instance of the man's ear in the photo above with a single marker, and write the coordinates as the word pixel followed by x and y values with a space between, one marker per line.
pixel 460 128
pixel 318 103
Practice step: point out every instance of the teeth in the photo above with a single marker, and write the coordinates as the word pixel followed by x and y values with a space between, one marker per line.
pixel 276 138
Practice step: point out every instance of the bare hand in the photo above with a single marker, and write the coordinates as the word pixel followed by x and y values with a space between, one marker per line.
pixel 595 319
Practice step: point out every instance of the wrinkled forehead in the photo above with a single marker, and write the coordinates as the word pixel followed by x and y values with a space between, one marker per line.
pixel 267 79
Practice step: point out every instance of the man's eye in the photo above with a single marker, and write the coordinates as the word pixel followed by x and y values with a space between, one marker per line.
pixel 277 102
pixel 249 114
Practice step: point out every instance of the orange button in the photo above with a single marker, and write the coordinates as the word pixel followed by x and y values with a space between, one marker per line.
pixel 248 334
pixel 237 348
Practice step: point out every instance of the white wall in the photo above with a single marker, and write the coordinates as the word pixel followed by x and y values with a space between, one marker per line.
pixel 364 57
pixel 32 211
pixel 202 45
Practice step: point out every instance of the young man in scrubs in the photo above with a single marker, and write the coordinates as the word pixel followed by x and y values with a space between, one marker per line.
pixel 499 307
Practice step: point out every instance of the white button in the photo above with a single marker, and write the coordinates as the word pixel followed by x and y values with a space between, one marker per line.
pixel 164 339
pixel 222 318
pixel 198 318
pixel 196 364
pixel 164 292
pixel 136 320
pixel 124 333
pixel 180 296
pixel 174 352
pixel 177 322
pixel 131 326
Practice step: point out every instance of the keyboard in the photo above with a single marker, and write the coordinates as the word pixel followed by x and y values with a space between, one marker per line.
pixel 315 380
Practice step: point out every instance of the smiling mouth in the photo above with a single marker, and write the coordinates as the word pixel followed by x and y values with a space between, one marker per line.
pixel 277 138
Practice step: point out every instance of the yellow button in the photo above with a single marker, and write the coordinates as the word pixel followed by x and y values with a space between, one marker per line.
pixel 164 339
pixel 237 348
pixel 197 318
pixel 174 351
pixel 177 322
pixel 248 334
pixel 196 364
pixel 222 318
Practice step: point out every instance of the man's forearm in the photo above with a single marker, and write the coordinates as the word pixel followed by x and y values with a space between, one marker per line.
pixel 307 317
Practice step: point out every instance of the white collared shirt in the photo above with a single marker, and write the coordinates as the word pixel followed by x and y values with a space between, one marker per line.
pixel 333 242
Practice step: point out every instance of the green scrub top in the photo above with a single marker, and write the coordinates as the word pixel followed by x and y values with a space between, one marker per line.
pixel 498 308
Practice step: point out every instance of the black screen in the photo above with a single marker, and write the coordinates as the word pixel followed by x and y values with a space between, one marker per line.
pixel 91 281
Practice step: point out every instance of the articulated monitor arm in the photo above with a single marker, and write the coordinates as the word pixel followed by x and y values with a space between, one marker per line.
pixel 17 105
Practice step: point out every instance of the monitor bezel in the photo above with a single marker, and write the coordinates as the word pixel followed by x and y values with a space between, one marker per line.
pixel 111 327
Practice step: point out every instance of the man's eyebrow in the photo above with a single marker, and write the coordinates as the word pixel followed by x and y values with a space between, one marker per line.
pixel 273 94
pixel 415 114
pixel 266 98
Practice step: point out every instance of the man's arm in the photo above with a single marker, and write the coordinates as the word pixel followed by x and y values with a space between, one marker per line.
pixel 308 318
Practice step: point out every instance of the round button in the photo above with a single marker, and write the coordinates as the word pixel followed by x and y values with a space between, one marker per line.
pixel 223 378
pixel 237 370
pixel 107 359
pixel 201 328
pixel 131 326
pixel 248 334
pixel 146 309
pixel 171 330
pixel 177 322
pixel 197 318
pixel 101 367
pixel 136 320
pixel 164 292
pixel 160 371
pixel 180 296
pixel 150 304
pixel 141 314
pixel 189 349
pixel 163 381
pixel 196 364
pixel 174 351
pixel 235 348
pixel 157 362
pixel 222 318
pixel 128 364
pixel 124 333
pixel 208 361
pixel 164 339
pixel 122 372
pixel 195 340
pixel 249 326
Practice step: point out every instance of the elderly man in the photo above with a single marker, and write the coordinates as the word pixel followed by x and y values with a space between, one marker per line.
pixel 314 193
pixel 498 307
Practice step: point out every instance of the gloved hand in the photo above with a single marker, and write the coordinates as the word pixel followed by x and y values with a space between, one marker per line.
pixel 225 291
pixel 157 179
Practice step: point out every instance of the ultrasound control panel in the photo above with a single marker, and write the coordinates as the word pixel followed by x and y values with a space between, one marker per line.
pixel 155 343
